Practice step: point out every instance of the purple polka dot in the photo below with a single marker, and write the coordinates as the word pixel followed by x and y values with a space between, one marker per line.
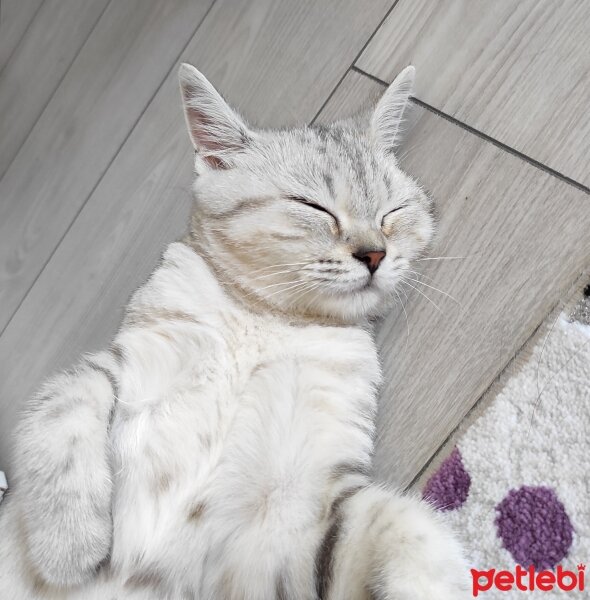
pixel 534 527
pixel 448 488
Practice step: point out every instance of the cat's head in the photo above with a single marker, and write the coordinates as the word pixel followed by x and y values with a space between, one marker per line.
pixel 314 220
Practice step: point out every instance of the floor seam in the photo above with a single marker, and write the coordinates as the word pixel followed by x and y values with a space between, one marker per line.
pixel 22 37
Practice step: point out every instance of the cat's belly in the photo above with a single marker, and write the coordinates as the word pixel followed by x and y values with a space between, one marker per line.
pixel 223 477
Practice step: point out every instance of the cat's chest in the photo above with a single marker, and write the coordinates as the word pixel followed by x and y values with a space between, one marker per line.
pixel 185 386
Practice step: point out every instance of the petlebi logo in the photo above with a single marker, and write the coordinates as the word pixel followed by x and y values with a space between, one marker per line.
pixel 528 580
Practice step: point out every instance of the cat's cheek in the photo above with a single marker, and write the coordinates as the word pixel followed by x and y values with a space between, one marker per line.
pixel 410 239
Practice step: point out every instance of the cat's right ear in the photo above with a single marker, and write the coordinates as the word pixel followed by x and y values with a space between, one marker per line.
pixel 216 131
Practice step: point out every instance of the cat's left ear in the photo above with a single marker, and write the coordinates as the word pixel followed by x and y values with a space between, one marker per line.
pixel 388 114
pixel 216 130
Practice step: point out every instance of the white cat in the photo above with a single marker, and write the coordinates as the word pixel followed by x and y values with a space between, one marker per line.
pixel 221 447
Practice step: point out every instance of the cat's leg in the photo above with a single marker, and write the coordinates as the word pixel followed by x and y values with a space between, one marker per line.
pixel 63 477
pixel 392 547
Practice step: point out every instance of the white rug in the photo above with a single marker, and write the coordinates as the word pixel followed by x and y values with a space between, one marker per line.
pixel 517 485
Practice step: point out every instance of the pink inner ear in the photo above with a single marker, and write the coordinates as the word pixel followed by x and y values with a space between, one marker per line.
pixel 201 125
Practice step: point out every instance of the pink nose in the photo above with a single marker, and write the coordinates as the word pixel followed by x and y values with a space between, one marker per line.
pixel 372 258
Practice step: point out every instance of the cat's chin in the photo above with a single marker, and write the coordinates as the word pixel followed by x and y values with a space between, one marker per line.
pixel 353 306
pixel 367 301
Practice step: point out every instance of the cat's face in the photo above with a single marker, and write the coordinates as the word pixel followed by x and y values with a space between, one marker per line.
pixel 317 220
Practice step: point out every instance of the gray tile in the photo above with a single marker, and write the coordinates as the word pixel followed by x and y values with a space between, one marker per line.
pixel 518 70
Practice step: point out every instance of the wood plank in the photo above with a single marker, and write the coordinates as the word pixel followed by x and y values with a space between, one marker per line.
pixel 15 17
pixel 524 236
pixel 517 70
pixel 34 71
pixel 277 61
pixel 114 77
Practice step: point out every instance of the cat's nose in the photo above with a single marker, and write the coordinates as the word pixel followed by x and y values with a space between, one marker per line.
pixel 372 258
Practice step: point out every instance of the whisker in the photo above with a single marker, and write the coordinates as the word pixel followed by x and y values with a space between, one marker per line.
pixel 436 290
pixel 419 274
pixel 300 293
pixel 265 276
pixel 276 273
pixel 257 291
pixel 294 285
pixel 441 258
pixel 304 291
pixel 272 285
pixel 280 266
pixel 422 294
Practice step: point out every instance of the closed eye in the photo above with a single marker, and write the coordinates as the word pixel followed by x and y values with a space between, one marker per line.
pixel 400 207
pixel 311 204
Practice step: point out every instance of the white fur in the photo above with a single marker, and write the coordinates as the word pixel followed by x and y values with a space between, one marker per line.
pixel 220 448
pixel 389 113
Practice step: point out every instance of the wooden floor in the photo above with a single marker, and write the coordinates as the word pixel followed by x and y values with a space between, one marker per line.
pixel 95 168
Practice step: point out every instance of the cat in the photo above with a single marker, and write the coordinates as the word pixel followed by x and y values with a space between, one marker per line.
pixel 221 447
